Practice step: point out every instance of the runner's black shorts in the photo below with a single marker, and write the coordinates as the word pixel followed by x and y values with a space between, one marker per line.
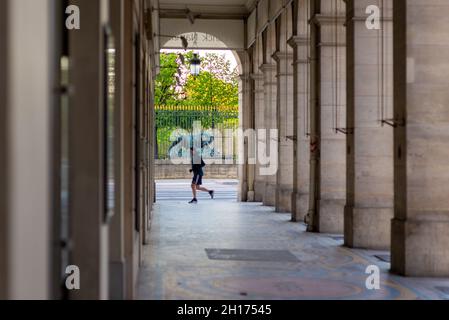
pixel 197 179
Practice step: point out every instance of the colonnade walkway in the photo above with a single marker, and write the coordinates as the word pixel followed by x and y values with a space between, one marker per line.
pixel 223 249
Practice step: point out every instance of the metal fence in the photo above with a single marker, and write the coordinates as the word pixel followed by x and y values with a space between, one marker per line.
pixel 174 125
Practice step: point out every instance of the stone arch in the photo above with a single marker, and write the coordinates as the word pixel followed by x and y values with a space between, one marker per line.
pixel 175 43
pixel 204 34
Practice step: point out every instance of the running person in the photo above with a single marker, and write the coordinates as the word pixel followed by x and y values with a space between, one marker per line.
pixel 197 181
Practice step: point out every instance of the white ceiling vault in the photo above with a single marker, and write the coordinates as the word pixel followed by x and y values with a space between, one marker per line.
pixel 230 24
pixel 207 34
pixel 206 24
pixel 207 9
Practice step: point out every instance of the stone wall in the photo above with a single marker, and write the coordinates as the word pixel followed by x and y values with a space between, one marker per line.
pixel 164 169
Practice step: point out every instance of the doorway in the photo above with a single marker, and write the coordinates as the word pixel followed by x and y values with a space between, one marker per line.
pixel 196 108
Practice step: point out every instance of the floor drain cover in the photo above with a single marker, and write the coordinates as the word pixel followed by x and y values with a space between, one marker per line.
pixel 444 290
pixel 251 255
pixel 384 257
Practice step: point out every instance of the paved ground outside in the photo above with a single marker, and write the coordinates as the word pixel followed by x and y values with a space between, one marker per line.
pixel 222 249
pixel 180 191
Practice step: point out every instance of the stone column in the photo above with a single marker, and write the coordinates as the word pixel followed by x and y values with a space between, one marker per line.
pixel 369 208
pixel 250 146
pixel 270 90
pixel 259 115
pixel 301 106
pixel 27 106
pixel 242 154
pixel 284 189
pixel 131 241
pixel 87 218
pixel 116 236
pixel 420 229
pixel 330 174
pixel 4 183
pixel 246 170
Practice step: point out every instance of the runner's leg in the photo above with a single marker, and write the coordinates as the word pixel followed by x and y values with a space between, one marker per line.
pixel 201 188
pixel 194 190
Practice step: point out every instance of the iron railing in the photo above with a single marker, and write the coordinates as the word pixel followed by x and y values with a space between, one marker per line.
pixel 218 126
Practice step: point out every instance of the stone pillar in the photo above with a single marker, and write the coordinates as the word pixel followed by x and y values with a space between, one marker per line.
pixel 259 115
pixel 250 146
pixel 270 90
pixel 88 226
pixel 116 236
pixel 131 250
pixel 27 83
pixel 3 152
pixel 284 189
pixel 301 106
pixel 420 229
pixel 369 208
pixel 246 151
pixel 330 174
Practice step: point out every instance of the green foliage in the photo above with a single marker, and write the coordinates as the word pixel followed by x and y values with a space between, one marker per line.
pixel 217 84
pixel 181 99
pixel 208 90
pixel 163 141
pixel 166 81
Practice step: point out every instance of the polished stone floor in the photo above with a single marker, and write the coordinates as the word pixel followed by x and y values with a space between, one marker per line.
pixel 222 249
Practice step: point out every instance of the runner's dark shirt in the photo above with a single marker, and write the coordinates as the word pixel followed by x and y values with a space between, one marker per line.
pixel 198 168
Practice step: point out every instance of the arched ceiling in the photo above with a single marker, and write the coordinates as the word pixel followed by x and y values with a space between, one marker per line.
pixel 207 24
pixel 203 34
pixel 207 9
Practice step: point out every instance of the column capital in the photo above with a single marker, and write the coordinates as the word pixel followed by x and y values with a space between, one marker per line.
pixel 258 81
pixel 301 62
pixel 267 67
pixel 297 41
pixel 329 20
pixel 244 77
pixel 280 56
pixel 256 76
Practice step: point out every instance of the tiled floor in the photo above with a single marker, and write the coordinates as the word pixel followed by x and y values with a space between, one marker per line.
pixel 177 265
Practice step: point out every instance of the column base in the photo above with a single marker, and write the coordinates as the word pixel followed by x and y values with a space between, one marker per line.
pixel 117 280
pixel 302 207
pixel 269 198
pixel 259 190
pixel 331 216
pixel 250 196
pixel 420 248
pixel 368 228
pixel 243 192
pixel 284 199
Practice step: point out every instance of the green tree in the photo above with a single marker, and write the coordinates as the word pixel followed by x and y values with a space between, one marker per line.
pixel 166 81
pixel 208 90
pixel 217 84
